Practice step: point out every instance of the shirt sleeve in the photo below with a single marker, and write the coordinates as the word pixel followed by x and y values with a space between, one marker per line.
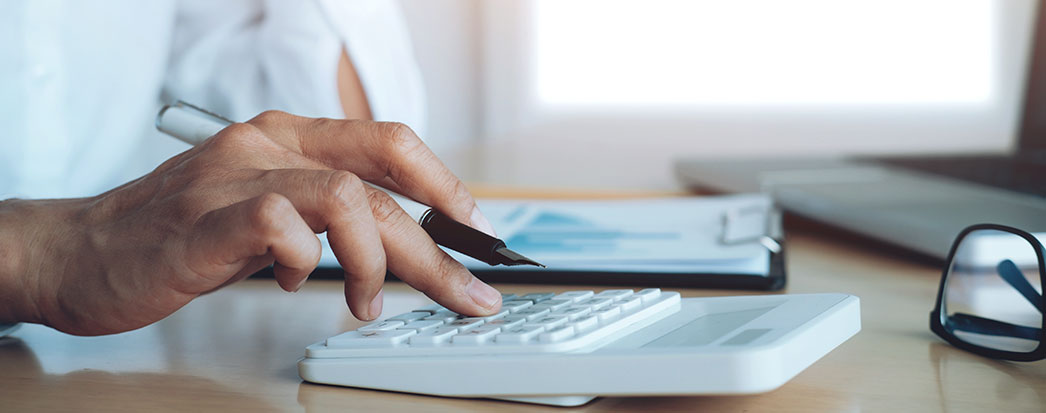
pixel 242 57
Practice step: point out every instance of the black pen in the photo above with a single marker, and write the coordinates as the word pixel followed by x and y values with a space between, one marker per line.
pixel 193 125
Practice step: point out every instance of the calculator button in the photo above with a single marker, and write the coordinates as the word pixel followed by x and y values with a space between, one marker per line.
pixel 585 324
pixel 557 334
pixel 408 317
pixel 422 325
pixel 537 297
pixel 382 325
pixel 432 308
pixel 500 314
pixel 508 296
pixel 596 303
pixel 477 335
pixel 548 322
pixel 445 316
pixel 465 323
pixel 575 296
pixel 648 295
pixel 433 337
pixel 553 305
pixel 515 305
pixel 614 294
pixel 377 338
pixel 630 304
pixel 506 322
pixel 531 314
pixel 518 335
pixel 608 314
pixel 572 313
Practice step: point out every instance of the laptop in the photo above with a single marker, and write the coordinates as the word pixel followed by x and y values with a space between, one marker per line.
pixel 916 202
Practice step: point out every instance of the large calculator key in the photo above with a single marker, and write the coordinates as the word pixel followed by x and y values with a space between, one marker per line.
pixel 553 305
pixel 572 313
pixel 648 295
pixel 537 297
pixel 432 308
pixel 531 314
pixel 445 316
pixel 382 325
pixel 378 338
pixel 433 337
pixel 595 303
pixel 507 322
pixel 586 324
pixel 507 296
pixel 548 322
pixel 608 314
pixel 614 294
pixel 574 296
pixel 515 305
pixel 630 304
pixel 518 335
pixel 500 314
pixel 408 317
pixel 476 335
pixel 422 325
pixel 465 323
pixel 557 334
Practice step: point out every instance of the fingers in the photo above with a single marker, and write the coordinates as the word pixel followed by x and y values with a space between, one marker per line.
pixel 336 202
pixel 380 152
pixel 416 260
pixel 228 239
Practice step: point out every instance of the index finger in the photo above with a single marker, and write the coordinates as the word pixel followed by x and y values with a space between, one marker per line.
pixel 385 153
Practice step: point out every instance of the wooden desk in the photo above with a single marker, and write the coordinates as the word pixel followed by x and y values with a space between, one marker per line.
pixel 236 350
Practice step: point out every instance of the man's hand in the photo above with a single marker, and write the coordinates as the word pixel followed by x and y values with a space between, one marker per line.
pixel 253 195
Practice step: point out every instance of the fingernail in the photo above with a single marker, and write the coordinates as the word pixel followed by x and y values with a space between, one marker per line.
pixel 483 294
pixel 301 284
pixel 480 222
pixel 374 310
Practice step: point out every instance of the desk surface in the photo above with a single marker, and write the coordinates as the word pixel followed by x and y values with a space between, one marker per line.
pixel 237 348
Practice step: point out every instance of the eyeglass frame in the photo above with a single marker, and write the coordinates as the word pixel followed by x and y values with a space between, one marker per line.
pixel 937 326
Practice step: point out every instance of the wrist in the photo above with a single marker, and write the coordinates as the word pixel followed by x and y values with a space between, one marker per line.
pixel 32 233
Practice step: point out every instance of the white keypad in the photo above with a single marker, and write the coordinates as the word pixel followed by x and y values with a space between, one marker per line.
pixel 530 322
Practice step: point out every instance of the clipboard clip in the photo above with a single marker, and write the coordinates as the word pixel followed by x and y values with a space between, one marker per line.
pixel 752 223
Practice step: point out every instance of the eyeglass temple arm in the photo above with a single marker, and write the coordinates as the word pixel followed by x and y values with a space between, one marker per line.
pixel 1009 272
pixel 980 325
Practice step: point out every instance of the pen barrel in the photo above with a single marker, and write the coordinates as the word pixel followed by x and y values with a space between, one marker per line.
pixel 460 237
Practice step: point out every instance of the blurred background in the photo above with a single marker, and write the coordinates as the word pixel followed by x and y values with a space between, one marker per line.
pixel 605 94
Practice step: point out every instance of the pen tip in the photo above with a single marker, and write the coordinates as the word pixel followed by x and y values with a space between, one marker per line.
pixel 511 257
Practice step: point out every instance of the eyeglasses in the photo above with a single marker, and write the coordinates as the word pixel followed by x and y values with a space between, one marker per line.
pixel 990 300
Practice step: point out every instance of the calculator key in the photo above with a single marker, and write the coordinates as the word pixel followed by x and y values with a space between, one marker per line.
pixel 630 304
pixel 513 317
pixel 531 314
pixel 507 296
pixel 465 323
pixel 595 303
pixel 648 295
pixel 608 314
pixel 408 317
pixel 422 325
pixel 515 305
pixel 476 335
pixel 548 322
pixel 500 314
pixel 432 308
pixel 572 313
pixel 557 334
pixel 445 316
pixel 382 325
pixel 375 338
pixel 433 337
pixel 553 305
pixel 575 296
pixel 614 294
pixel 585 324
pixel 518 335
pixel 506 322
pixel 537 297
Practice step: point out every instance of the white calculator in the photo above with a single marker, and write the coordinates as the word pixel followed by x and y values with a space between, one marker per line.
pixel 566 349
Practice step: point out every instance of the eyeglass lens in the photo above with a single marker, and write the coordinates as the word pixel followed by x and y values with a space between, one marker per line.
pixel 993 292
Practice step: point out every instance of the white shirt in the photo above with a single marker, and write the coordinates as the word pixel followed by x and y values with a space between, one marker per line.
pixel 81 81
